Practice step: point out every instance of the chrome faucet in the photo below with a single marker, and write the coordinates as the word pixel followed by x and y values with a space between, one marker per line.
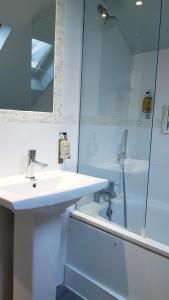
pixel 108 194
pixel 33 162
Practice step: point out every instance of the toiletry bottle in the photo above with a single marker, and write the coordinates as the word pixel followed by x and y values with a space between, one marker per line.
pixel 64 147
pixel 147 105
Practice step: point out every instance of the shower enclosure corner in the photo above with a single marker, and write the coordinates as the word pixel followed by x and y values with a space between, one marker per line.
pixel 119 106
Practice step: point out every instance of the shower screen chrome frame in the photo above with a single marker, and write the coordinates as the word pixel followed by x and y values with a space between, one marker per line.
pixel 165 120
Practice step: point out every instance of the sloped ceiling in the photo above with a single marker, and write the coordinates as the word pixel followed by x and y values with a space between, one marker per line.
pixel 140 25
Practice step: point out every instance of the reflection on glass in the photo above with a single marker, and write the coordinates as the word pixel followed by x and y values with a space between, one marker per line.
pixel 42 60
pixel 41 65
pixel 40 51
pixel 4 33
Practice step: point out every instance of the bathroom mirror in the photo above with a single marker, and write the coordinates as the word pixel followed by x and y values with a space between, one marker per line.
pixel 27 39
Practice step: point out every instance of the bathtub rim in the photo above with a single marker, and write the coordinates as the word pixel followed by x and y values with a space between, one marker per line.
pixel 119 232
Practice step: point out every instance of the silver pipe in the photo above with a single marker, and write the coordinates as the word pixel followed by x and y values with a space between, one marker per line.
pixel 122 156
pixel 124 143
pixel 124 195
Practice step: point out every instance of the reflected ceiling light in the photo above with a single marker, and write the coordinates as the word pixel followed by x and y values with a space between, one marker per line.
pixel 139 3
pixel 104 15
pixel 4 33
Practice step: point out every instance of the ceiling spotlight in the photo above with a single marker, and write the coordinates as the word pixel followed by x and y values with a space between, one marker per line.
pixel 139 3
pixel 104 15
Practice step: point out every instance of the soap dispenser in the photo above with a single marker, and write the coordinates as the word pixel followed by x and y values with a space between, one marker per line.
pixel 64 147
pixel 147 105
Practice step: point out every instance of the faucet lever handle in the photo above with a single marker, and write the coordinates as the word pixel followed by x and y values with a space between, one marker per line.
pixel 111 185
pixel 32 154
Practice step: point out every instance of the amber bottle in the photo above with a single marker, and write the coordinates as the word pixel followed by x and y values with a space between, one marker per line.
pixel 147 104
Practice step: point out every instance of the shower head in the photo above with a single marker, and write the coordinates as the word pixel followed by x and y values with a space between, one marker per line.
pixel 103 11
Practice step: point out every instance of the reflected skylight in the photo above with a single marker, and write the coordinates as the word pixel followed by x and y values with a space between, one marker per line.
pixel 40 50
pixel 4 33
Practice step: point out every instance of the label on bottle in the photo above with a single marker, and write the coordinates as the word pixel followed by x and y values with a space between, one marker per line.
pixel 147 103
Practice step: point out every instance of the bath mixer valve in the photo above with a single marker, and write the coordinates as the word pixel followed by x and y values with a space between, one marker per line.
pixel 109 192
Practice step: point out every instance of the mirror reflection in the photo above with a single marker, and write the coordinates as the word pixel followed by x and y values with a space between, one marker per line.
pixel 27 38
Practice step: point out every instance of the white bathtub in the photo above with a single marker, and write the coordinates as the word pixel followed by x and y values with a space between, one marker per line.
pixel 107 261
pixel 135 212
pixel 154 237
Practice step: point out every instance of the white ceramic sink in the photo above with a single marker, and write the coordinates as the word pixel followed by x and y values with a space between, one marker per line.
pixel 49 188
pixel 39 226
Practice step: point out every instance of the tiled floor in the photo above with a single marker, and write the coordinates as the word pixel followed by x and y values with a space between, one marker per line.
pixel 64 293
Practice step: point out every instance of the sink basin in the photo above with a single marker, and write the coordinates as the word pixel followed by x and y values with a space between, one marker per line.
pixel 39 226
pixel 49 188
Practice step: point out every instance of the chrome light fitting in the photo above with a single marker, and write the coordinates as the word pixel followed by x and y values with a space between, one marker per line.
pixel 102 11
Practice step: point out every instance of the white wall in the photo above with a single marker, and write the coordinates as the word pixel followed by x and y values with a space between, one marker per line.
pixel 91 57
pixel 106 79
pixel 99 149
pixel 142 79
pixel 115 74
pixel 72 76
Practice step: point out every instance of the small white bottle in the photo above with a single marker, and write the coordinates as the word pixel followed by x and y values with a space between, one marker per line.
pixel 64 147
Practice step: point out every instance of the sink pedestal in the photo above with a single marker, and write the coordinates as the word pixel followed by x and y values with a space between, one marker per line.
pixel 37 254
pixel 38 232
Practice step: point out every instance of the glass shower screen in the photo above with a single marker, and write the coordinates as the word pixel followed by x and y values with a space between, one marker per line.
pixel 120 54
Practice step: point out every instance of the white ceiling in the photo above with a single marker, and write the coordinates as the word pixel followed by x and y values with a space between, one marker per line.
pixel 140 25
pixel 25 9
